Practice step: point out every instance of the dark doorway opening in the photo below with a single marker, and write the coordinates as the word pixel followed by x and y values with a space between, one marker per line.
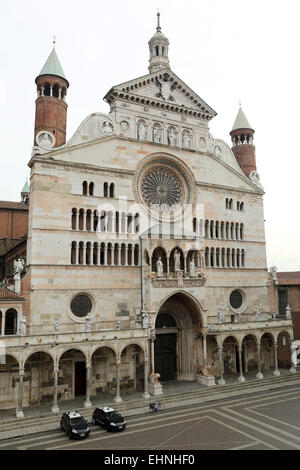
pixel 165 356
pixel 80 378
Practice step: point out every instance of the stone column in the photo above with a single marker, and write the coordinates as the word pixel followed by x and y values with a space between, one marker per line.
pixel 126 255
pixel 292 369
pixel 19 411
pixel 55 408
pixel 84 253
pixel 119 256
pixel 276 371
pixel 146 393
pixel 76 252
pixel 152 354
pixel 221 380
pixel 241 377
pixel 99 254
pixel 259 374
pixel 168 266
pixel 105 255
pixel 118 398
pixel 84 220
pixel 204 348
pixel 88 403
pixel 184 263
pixel 3 323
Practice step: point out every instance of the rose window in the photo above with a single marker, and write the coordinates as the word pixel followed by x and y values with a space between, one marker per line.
pixel 162 187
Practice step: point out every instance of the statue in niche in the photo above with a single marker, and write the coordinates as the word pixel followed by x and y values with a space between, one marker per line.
pixel 156 135
pixel 45 141
pixel 141 131
pixel 177 261
pixel 288 312
pixel 160 268
pixel 107 127
pixel 192 268
pixel 172 137
pixel 186 141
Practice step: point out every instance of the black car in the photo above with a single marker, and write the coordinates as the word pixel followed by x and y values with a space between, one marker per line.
pixel 74 425
pixel 109 418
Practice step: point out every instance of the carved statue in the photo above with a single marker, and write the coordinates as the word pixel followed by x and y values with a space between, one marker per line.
pixel 118 325
pixel 45 141
pixel 154 379
pixel 145 319
pixel 56 327
pixel 288 312
pixel 257 314
pixel 273 271
pixel 172 137
pixel 186 141
pixel 206 371
pixel 142 131
pixel 177 261
pixel 221 316
pixel 160 268
pixel 192 268
pixel 156 135
pixel 18 267
pixel 88 324
pixel 22 326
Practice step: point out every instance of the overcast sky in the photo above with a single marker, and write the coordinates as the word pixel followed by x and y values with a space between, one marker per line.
pixel 225 51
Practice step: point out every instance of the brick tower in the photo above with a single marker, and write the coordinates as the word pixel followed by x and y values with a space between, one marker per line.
pixel 242 140
pixel 50 105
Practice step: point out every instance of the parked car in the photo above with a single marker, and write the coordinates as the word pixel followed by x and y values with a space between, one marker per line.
pixel 74 425
pixel 109 418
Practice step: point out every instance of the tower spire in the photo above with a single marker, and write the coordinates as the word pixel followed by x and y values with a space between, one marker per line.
pixel 158 47
pixel 242 142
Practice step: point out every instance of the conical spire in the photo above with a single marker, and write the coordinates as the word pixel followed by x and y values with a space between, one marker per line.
pixel 241 122
pixel 53 66
pixel 26 187
pixel 158 46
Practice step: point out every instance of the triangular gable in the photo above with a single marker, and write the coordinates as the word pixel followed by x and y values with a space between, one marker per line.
pixel 162 89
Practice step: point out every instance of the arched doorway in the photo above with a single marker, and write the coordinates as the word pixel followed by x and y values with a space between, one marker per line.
pixel 38 378
pixel 177 346
pixel 284 352
pixel 72 365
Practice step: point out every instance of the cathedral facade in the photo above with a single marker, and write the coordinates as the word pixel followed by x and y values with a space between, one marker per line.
pixel 146 254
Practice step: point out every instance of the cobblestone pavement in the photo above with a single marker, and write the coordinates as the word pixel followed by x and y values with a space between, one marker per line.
pixel 267 420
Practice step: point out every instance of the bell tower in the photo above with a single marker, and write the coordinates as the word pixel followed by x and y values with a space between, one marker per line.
pixel 242 141
pixel 50 106
pixel 159 48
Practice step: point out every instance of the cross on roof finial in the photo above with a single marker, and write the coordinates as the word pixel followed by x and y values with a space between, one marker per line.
pixel 158 28
pixel 54 40
pixel 240 102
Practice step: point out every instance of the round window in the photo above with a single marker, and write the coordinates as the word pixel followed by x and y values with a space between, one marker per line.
pixel 236 299
pixel 81 305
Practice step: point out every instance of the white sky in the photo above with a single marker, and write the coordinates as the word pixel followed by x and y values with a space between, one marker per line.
pixel 224 50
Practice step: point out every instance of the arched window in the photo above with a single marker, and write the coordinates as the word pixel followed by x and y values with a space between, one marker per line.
pixel 84 188
pixel 91 189
pixel 11 318
pixel 112 190
pixel 55 91
pixel 105 190
pixel 47 90
pixel 157 50
pixel 73 253
pixel 74 214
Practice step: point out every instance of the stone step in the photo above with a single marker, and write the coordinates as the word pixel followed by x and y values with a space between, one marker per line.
pixel 15 427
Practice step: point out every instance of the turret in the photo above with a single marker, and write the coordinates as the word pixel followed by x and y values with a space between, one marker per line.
pixel 25 193
pixel 50 106
pixel 159 48
pixel 242 141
